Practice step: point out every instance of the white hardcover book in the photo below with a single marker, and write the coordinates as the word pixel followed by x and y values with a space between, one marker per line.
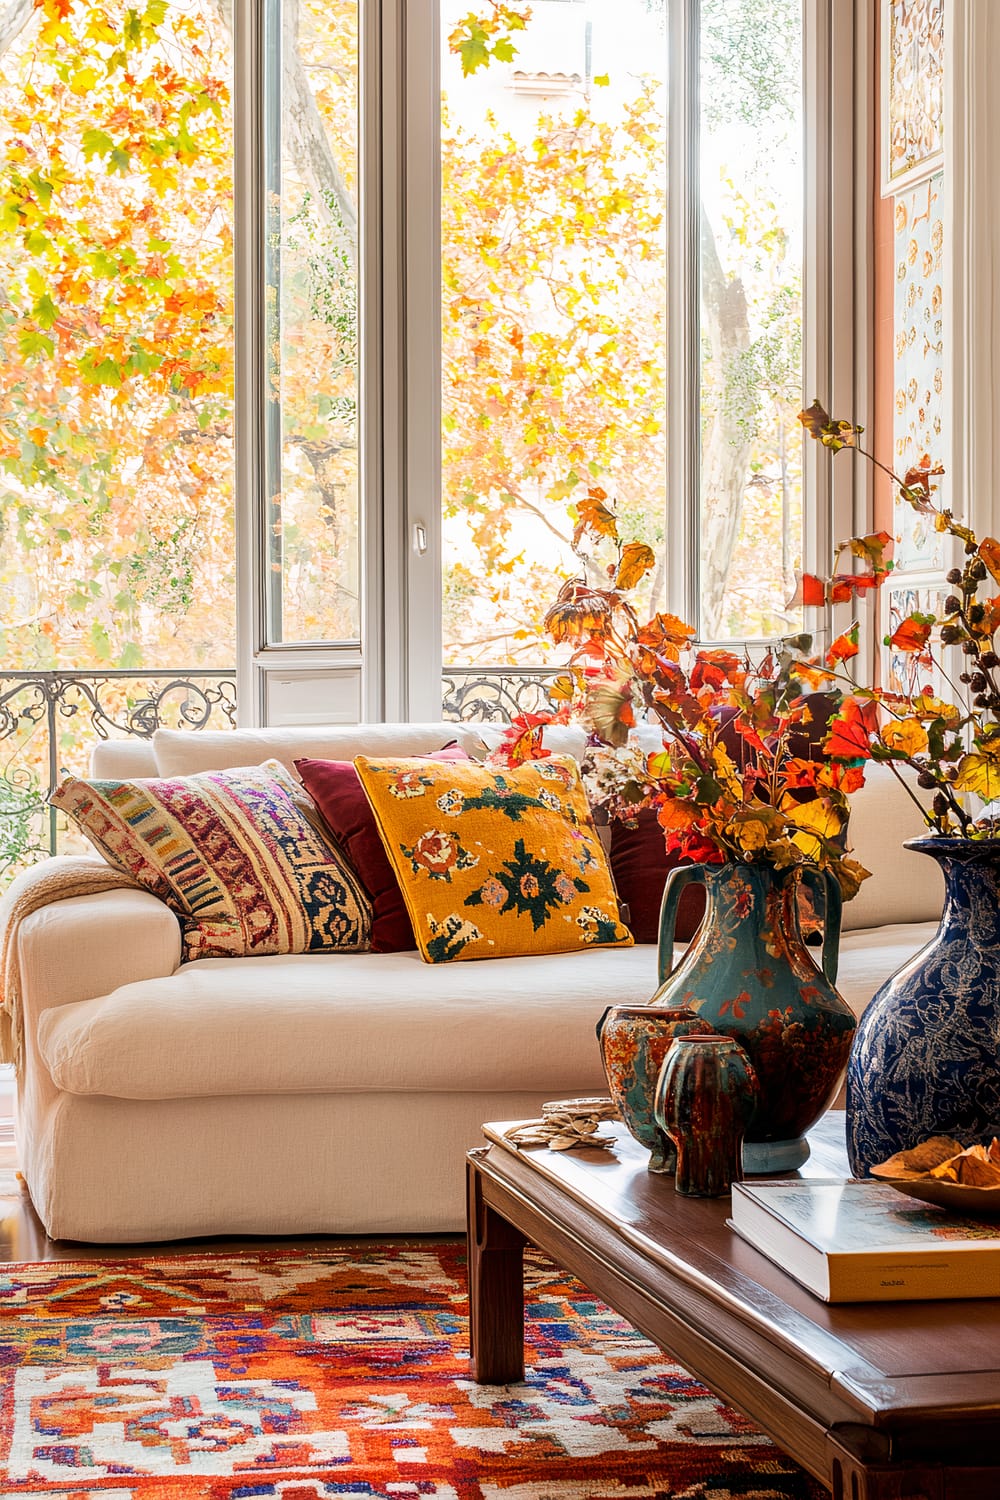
pixel 865 1242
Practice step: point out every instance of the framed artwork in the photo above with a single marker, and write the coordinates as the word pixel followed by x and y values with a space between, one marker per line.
pixel 919 409
pixel 912 92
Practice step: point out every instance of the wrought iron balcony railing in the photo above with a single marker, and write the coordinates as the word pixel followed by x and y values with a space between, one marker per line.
pixel 50 719
pixel 496 694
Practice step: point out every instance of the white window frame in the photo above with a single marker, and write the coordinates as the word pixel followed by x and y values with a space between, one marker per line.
pixel 396 671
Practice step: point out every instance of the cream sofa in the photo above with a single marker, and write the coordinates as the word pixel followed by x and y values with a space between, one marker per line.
pixel 326 1093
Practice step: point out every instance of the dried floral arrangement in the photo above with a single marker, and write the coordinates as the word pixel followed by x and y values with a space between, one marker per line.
pixel 735 779
pixel 953 746
pixel 771 800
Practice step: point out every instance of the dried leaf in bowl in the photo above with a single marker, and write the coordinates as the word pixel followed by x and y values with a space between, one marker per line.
pixel 920 1160
pixel 977 1166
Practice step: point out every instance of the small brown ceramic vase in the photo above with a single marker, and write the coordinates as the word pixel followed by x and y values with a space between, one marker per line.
pixel 634 1041
pixel 705 1098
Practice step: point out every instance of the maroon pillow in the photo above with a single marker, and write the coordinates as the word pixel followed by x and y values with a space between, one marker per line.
pixel 640 864
pixel 336 790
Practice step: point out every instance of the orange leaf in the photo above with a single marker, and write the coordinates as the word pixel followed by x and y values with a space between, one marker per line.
pixel 810 591
pixel 913 633
pixel 635 562
pixel 989 551
pixel 844 647
pixel 871 548
pixel 851 731
pixel 846 586
pixel 593 515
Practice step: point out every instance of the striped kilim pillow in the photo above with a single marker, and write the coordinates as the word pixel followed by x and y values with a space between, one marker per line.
pixel 234 853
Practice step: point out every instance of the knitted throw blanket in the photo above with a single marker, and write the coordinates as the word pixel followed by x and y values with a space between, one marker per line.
pixel 56 879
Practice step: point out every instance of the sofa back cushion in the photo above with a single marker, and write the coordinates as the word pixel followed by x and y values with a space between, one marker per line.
pixel 121 760
pixel 234 853
pixel 905 887
pixel 494 863
pixel 183 753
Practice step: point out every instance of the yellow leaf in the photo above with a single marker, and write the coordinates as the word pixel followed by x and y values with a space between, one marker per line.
pixel 562 688
pixel 849 875
pixel 926 706
pixel 636 561
pixel 751 834
pixel 980 774
pixel 815 824
pixel 908 737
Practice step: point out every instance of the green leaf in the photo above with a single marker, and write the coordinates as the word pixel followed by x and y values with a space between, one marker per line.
pixel 96 143
pixel 32 342
pixel 100 642
pixel 504 50
pixel 46 311
pixel 130 655
pixel 474 55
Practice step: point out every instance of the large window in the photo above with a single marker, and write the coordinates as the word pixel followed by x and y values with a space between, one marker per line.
pixel 319 316
pixel 751 246
pixel 312 305
pixel 554 268
pixel 556 210
pixel 116 328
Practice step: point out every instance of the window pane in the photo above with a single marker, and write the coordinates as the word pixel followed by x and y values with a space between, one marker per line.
pixel 751 315
pixel 312 243
pixel 554 309
pixel 116 310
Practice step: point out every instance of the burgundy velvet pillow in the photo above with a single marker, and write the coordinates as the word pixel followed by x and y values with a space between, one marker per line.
pixel 337 792
pixel 640 864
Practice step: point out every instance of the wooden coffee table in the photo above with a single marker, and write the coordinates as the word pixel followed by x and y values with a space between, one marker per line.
pixel 880 1401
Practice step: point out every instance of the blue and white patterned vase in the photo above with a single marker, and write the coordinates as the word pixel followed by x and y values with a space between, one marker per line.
pixel 926 1057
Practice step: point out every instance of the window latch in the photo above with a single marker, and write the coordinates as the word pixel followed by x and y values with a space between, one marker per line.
pixel 419 538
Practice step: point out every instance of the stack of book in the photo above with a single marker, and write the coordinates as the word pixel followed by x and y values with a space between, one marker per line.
pixel 865 1242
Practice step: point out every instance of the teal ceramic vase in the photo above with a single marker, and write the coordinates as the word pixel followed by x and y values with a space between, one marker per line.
pixel 705 1097
pixel 748 974
pixel 634 1041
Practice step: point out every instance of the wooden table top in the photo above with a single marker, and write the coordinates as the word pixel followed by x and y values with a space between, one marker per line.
pixel 891 1362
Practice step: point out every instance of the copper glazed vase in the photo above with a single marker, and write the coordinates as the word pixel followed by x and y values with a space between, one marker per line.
pixel 634 1041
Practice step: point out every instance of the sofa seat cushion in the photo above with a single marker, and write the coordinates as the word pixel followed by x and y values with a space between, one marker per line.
pixel 379 1022
pixel 348 1023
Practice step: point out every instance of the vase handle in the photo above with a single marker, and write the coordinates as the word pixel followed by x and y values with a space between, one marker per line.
pixel 827 887
pixel 677 880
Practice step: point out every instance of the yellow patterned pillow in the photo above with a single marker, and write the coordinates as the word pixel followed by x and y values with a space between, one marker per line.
pixel 494 863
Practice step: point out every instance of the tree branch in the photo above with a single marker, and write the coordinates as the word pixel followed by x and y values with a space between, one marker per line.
pixel 13 21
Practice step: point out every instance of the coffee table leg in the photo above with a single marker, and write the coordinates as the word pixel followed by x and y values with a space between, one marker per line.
pixel 496 1289
pixel 859 1472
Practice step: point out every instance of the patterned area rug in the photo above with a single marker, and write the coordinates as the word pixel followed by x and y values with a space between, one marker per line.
pixel 294 1377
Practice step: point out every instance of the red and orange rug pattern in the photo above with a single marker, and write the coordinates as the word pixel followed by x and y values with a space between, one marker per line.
pixel 304 1376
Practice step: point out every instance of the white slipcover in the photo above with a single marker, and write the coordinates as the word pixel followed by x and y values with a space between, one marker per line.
pixel 337 1093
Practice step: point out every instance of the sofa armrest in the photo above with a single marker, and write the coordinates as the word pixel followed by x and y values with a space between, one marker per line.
pixel 89 945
